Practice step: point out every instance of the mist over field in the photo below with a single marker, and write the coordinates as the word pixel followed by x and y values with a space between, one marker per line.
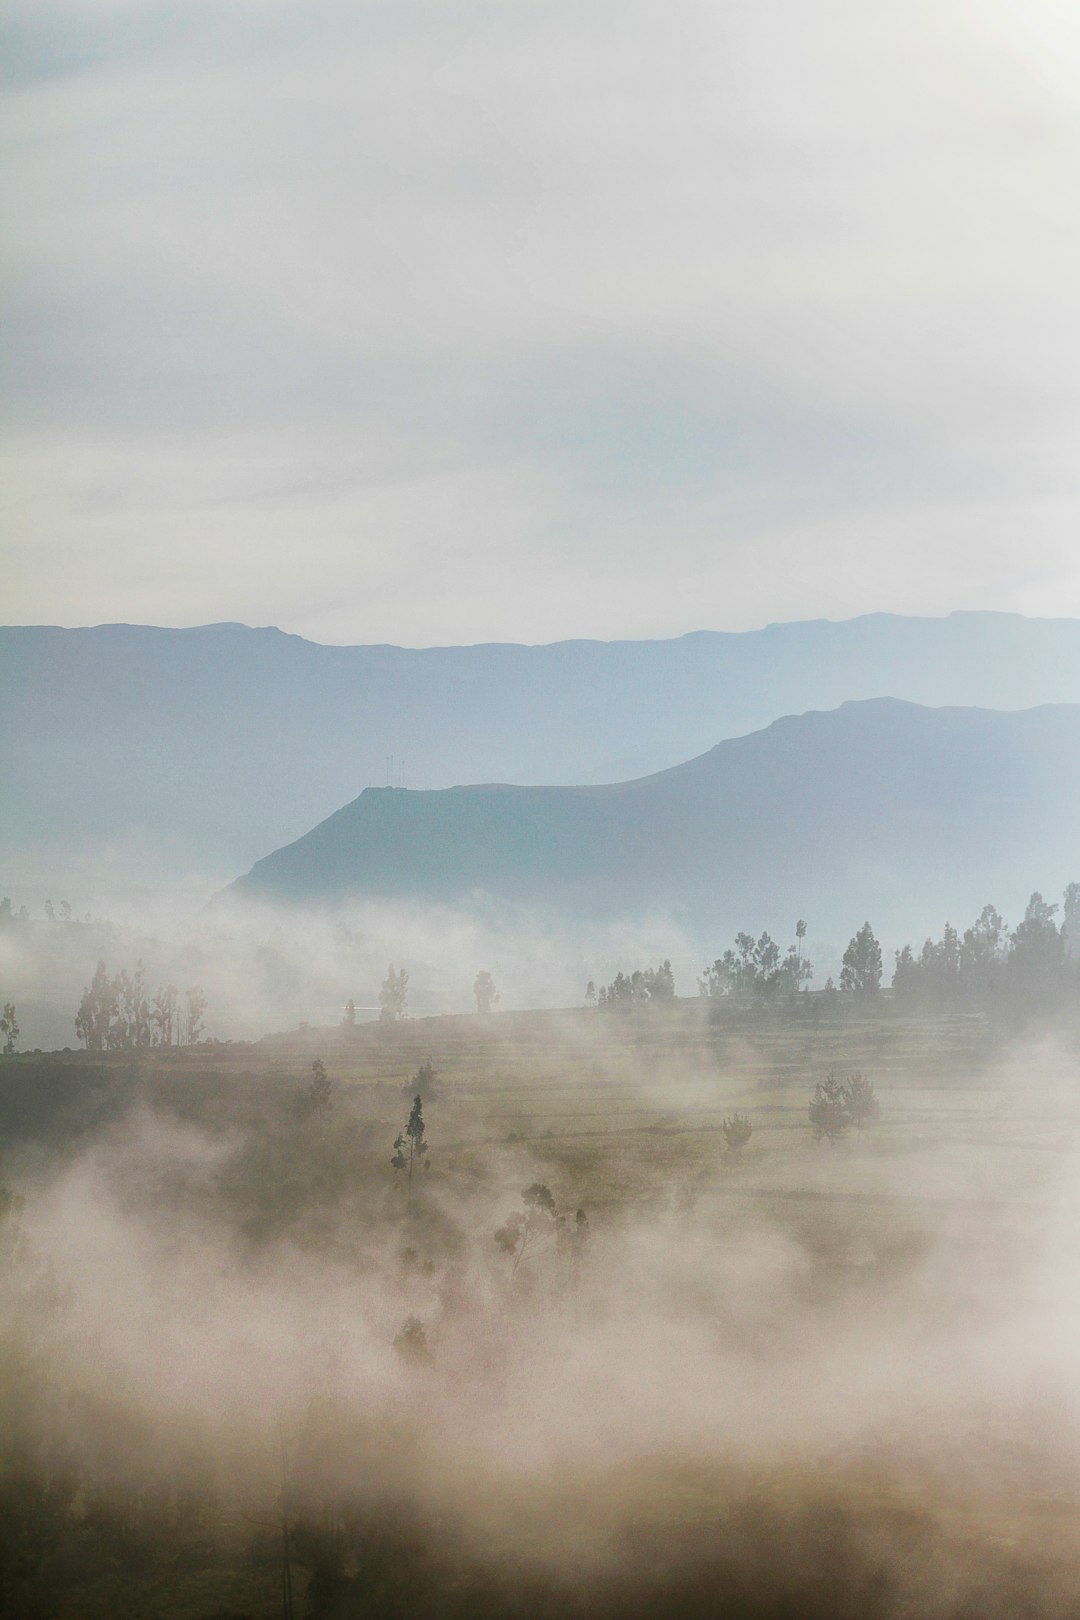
pixel 540 811
pixel 798 1378
pixel 625 1200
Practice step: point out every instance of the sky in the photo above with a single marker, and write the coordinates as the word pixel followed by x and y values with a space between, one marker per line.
pixel 435 321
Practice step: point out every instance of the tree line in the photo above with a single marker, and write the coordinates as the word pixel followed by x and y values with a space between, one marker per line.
pixel 121 1013
pixel 1036 964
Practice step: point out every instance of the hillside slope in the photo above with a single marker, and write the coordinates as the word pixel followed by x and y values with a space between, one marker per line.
pixel 878 808
pixel 205 747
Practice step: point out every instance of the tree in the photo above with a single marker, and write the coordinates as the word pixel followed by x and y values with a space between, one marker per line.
pixel 1036 969
pixel 660 982
pixel 165 1014
pixel 639 988
pixel 862 1105
pixel 424 1083
pixel 905 979
pixel 410 1148
pixel 97 1010
pixel 320 1092
pixel 755 967
pixel 828 1111
pixel 196 1010
pixel 392 996
pixel 590 994
pixel 861 972
pixel 528 1226
pixel 9 1028
pixel 1072 919
pixel 133 1018
pixel 349 1016
pixel 737 1132
pixel 485 992
pixel 411 1343
pixel 954 968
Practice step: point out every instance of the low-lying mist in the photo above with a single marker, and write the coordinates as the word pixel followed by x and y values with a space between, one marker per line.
pixel 800 1380
pixel 265 967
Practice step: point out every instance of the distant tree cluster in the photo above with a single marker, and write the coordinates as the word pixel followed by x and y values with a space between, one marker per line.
pixel 1036 964
pixel 9 913
pixel 838 1105
pixel 121 1014
pixel 9 1028
pixel 756 967
pixel 393 996
pixel 539 1220
pixel 860 973
pixel 635 989
pixel 737 1131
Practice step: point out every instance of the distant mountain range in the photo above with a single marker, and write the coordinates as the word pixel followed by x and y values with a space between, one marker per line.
pixel 133 746
pixel 881 809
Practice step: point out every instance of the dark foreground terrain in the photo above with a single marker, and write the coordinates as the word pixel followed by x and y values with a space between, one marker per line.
pixel 245 1370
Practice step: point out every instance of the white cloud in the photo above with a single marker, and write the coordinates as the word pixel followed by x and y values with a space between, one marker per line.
pixel 440 323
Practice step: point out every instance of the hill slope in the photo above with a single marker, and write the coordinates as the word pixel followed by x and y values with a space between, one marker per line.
pixel 207 746
pixel 878 808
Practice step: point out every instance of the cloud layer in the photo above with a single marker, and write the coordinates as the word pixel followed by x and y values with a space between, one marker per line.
pixel 451 322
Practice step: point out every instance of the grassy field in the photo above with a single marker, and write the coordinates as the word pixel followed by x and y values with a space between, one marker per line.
pixel 824 1307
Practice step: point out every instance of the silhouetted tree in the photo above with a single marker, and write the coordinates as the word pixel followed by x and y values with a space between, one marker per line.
pixel 411 1343
pixel 639 988
pixel 166 1014
pixel 1036 970
pixel 528 1226
pixel 392 996
pixel 196 1013
pixel 828 1111
pixel 737 1132
pixel 424 1083
pixel 97 1011
pixel 756 967
pixel 862 1105
pixel 485 992
pixel 320 1092
pixel 349 1016
pixel 590 994
pixel 1072 919
pixel 410 1148
pixel 9 1028
pixel 861 971
pixel 983 951
pixel 952 968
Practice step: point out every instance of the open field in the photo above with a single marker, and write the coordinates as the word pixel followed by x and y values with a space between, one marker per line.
pixel 860 1354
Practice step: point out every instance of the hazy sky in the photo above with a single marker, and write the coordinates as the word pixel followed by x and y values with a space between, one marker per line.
pixel 448 321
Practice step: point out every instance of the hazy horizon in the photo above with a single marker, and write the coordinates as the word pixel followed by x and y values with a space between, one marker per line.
pixel 501 641
pixel 438 323
pixel 540 830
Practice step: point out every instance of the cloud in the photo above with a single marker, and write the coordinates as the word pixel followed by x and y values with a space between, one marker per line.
pixel 456 322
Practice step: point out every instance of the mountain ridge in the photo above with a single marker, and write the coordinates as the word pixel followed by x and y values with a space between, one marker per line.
pixel 213 744
pixel 879 803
